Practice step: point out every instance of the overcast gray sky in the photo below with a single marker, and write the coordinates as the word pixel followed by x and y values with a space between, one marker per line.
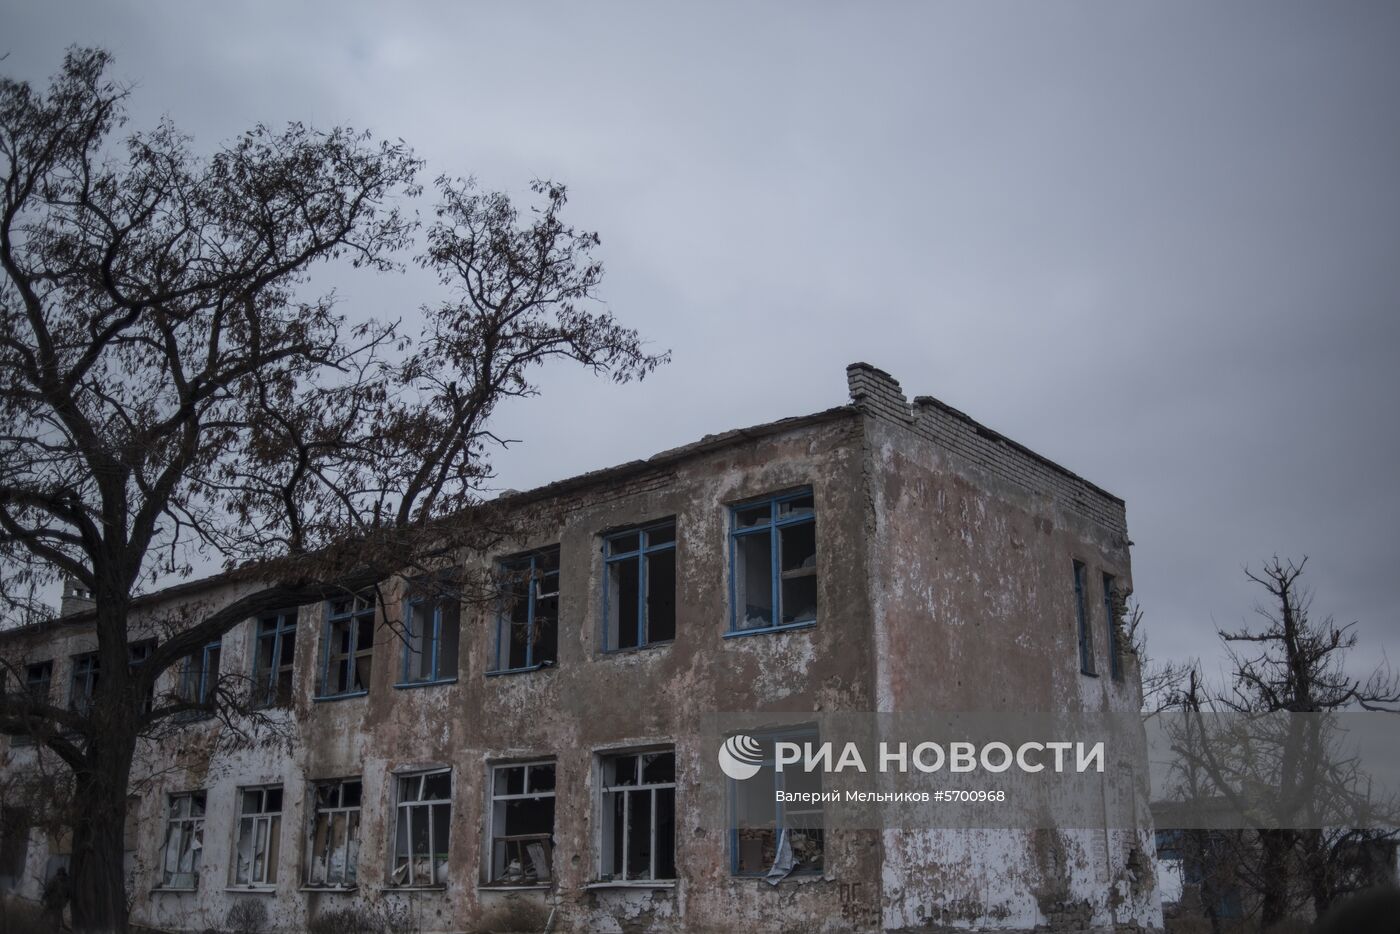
pixel 1158 243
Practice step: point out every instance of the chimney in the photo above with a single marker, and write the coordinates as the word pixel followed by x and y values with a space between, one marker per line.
pixel 76 598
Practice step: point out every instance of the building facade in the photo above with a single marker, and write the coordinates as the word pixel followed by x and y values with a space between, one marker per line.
pixel 524 767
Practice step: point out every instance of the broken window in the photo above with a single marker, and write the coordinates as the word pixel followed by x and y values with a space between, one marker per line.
pixel 527 633
pixel 258 847
pixel 199 676
pixel 432 628
pixel 184 841
pixel 1110 614
pixel 1086 637
pixel 638 816
pixel 272 662
pixel 639 589
pixel 14 845
pixel 522 824
pixel 422 828
pixel 137 653
pixel 38 677
pixel 334 848
pixel 773 838
pixel 86 669
pixel 349 645
pixel 773 562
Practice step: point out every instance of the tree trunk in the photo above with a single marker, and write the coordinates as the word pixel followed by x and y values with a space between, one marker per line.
pixel 1276 845
pixel 98 876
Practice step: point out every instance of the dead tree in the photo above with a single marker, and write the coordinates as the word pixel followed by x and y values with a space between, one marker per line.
pixel 169 383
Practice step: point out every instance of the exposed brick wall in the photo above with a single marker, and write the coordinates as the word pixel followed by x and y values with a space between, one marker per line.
pixel 880 396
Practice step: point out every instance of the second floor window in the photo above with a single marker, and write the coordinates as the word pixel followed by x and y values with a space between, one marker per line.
pixel 348 651
pixel 432 629
pixel 639 589
pixel 773 563
pixel 38 679
pixel 1081 612
pixel 527 627
pixel 183 850
pixel 335 834
pixel 86 669
pixel 258 847
pixel 272 660
pixel 199 676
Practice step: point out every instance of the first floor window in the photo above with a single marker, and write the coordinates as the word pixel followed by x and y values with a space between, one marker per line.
pixel 773 562
pixel 527 628
pixel 522 824
pixel 639 816
pixel 769 837
pixel 272 664
pixel 422 828
pixel 14 843
pixel 184 840
pixel 86 669
pixel 335 833
pixel 349 645
pixel 259 836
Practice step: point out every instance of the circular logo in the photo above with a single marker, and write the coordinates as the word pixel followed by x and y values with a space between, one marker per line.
pixel 740 757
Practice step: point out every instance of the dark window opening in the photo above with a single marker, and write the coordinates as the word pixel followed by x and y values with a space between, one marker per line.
pixel 639 588
pixel 527 627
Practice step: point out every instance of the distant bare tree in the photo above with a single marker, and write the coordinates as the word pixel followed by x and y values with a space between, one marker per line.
pixel 167 388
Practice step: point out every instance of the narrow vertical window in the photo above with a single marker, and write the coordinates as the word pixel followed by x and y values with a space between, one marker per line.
pixel 639 588
pixel 137 653
pixel 527 625
pixel 274 656
pixel 199 676
pixel 38 679
pixel 1110 615
pixel 86 670
pixel 1086 636
pixel 333 850
pixel 638 816
pixel 422 829
pixel 522 824
pixel 14 845
pixel 773 563
pixel 258 846
pixel 432 629
pixel 183 849
pixel 771 837
pixel 348 649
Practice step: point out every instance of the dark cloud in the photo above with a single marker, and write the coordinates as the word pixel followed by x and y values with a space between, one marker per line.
pixel 1157 243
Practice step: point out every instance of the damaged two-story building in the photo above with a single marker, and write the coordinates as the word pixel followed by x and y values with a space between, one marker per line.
pixel 534 766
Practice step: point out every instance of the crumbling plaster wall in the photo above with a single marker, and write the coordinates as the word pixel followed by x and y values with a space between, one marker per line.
pixel 972 541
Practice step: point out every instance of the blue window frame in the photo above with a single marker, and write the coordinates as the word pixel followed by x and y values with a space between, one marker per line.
pixel 273 658
pixel 771 836
pixel 83 684
pixel 347 646
pixel 200 675
pixel 1086 636
pixel 1110 615
pixel 432 618
pixel 639 587
pixel 527 624
pixel 773 563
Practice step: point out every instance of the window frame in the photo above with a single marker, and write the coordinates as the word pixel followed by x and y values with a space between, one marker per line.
pixel 491 837
pixel 202 684
pixel 191 824
pixel 403 811
pixel 410 601
pixel 266 696
pixel 87 667
pixel 1110 591
pixel 641 554
pixel 512 564
pixel 772 527
pixel 1081 610
pixel 605 791
pixel 780 808
pixel 352 617
pixel 272 838
pixel 30 685
pixel 349 867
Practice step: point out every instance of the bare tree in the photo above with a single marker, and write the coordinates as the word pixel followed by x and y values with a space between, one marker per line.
pixel 167 387
pixel 1274 752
